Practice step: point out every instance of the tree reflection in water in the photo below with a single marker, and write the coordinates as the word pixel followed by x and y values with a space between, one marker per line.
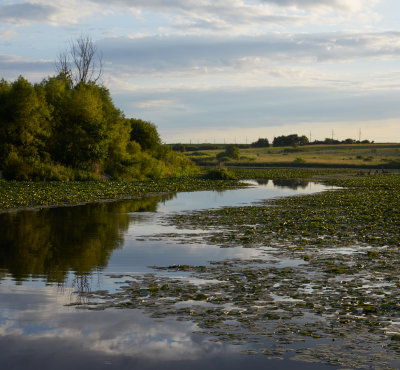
pixel 49 243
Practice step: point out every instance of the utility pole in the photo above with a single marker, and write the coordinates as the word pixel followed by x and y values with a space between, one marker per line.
pixel 359 135
pixel 310 136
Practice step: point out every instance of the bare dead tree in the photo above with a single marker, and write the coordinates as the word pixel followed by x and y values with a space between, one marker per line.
pixel 63 65
pixel 81 62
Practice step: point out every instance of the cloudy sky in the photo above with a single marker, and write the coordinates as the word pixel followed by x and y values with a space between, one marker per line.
pixel 226 70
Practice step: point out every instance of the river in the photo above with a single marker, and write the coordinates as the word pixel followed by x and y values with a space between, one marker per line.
pixel 51 258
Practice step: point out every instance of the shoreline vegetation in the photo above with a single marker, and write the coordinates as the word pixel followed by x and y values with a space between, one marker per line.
pixel 20 195
pixel 58 130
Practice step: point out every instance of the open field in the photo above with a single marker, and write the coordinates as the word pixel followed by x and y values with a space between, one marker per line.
pixel 342 155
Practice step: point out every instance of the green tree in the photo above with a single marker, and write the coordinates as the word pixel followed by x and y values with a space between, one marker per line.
pixel 232 151
pixel 290 140
pixel 261 143
pixel 145 133
pixel 82 133
pixel 25 119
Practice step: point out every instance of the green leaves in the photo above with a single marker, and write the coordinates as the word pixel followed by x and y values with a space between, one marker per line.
pixel 55 127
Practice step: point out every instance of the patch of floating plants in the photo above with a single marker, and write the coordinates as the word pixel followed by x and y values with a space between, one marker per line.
pixel 339 304
pixel 15 195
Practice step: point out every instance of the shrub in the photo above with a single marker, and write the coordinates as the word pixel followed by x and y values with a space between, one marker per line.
pixel 299 160
pixel 220 174
pixel 232 151
pixel 16 168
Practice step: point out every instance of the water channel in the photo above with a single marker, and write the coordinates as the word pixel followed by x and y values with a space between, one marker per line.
pixel 49 257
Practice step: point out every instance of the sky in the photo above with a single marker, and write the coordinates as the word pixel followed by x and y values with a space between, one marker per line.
pixel 226 70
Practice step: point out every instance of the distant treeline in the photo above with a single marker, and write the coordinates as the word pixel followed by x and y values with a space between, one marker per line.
pixel 288 140
pixel 57 130
pixel 196 147
pixel 296 140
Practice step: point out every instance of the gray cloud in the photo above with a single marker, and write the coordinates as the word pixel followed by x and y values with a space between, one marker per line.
pixel 209 15
pixel 159 54
pixel 17 13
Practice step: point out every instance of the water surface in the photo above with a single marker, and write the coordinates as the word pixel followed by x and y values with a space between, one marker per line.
pixel 49 257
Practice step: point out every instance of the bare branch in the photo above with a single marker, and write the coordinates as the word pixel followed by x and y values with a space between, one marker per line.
pixel 86 60
pixel 63 65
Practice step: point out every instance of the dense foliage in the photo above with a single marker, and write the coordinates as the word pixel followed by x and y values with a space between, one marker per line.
pixel 59 131
pixel 260 143
pixel 289 140
pixel 231 152
pixel 329 141
pixel 219 174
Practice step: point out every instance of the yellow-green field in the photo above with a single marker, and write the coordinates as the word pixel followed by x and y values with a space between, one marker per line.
pixel 351 155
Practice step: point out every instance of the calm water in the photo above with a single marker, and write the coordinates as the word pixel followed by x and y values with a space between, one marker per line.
pixel 48 257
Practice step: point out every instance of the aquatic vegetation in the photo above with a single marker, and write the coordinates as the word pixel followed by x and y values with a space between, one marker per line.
pixel 219 174
pixel 289 173
pixel 325 289
pixel 28 194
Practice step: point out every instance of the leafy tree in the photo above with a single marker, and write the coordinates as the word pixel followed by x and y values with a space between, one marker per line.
pixel 232 151
pixel 25 119
pixel 261 143
pixel 145 133
pixel 290 140
pixel 56 130
pixel 82 130
pixel 330 141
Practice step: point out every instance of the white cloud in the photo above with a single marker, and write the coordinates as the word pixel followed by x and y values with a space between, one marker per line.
pixel 233 17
